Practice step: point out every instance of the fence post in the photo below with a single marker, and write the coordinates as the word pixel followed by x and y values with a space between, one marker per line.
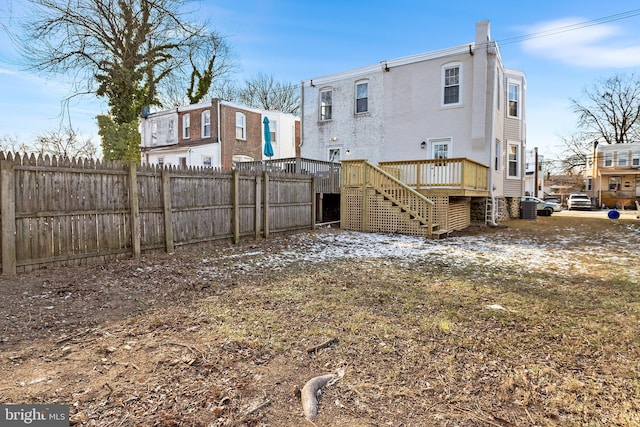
pixel 265 213
pixel 235 200
pixel 135 210
pixel 168 213
pixel 364 225
pixel 8 212
pixel 313 202
pixel 258 212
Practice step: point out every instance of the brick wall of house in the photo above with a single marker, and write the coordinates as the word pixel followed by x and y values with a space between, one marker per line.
pixel 231 146
pixel 196 125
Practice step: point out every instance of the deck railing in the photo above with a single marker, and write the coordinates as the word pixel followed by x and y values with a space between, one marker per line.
pixel 459 173
pixel 327 174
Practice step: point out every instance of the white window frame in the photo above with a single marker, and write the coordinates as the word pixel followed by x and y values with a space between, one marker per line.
pixel 436 148
pixel 607 161
pixel 206 124
pixel 326 110
pixel 207 161
pixel 635 159
pixel 241 126
pixel 186 126
pixel 273 130
pixel 517 100
pixel 623 159
pixel 514 157
pixel 333 154
pixel 358 84
pixel 446 83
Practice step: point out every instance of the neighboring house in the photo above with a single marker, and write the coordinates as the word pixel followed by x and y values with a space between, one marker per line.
pixel 456 103
pixel 216 134
pixel 613 180
pixel 534 175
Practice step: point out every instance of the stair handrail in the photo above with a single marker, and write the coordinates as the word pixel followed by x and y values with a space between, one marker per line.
pixel 413 202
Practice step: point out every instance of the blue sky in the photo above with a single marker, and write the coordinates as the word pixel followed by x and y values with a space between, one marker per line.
pixel 295 40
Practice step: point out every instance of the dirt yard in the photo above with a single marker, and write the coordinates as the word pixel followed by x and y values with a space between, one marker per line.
pixel 534 323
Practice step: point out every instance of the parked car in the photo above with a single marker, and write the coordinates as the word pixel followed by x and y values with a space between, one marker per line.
pixel 542 208
pixel 557 206
pixel 578 201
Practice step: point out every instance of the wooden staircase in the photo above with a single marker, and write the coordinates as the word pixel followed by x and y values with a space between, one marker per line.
pixel 375 201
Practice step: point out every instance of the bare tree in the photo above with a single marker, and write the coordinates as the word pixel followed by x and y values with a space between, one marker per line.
pixel 610 112
pixel 65 142
pixel 262 91
pixel 12 144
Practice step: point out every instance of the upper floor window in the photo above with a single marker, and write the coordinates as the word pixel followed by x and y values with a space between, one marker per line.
pixel 171 130
pixel 608 160
pixel 186 126
pixel 622 159
pixel 514 161
pixel 514 100
pixel 362 97
pixel 241 126
pixel 206 124
pixel 451 85
pixel 440 148
pixel 326 103
pixel 635 158
pixel 273 129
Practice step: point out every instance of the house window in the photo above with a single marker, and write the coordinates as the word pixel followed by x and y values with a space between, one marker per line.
pixel 622 159
pixel 614 183
pixel 182 161
pixel 514 161
pixel 334 154
pixel 241 126
pixel 326 103
pixel 514 100
pixel 160 162
pixel 608 160
pixel 207 161
pixel 186 126
pixel 206 124
pixel 635 159
pixel 171 132
pixel 362 97
pixel 589 184
pixel 273 129
pixel 497 156
pixel 154 133
pixel 440 148
pixel 451 85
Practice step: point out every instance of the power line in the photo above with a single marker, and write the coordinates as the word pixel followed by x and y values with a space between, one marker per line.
pixel 572 27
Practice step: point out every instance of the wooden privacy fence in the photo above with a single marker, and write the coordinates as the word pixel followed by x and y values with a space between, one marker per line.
pixel 57 211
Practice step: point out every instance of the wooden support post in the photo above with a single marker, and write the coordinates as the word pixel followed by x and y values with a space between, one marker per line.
pixel 8 212
pixel 265 213
pixel 235 200
pixel 365 199
pixel 135 210
pixel 168 213
pixel 314 212
pixel 258 207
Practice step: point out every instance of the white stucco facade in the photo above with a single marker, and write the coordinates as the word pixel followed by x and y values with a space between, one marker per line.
pixel 451 103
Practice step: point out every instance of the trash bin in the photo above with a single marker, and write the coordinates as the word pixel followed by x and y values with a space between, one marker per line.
pixel 528 210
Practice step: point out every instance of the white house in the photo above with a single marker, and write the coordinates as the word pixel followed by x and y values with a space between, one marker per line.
pixel 458 102
pixel 216 134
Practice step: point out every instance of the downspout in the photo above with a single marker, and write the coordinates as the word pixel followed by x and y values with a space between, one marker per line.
pixel 492 145
pixel 219 134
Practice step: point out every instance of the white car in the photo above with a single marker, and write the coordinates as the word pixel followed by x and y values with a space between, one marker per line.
pixel 579 201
